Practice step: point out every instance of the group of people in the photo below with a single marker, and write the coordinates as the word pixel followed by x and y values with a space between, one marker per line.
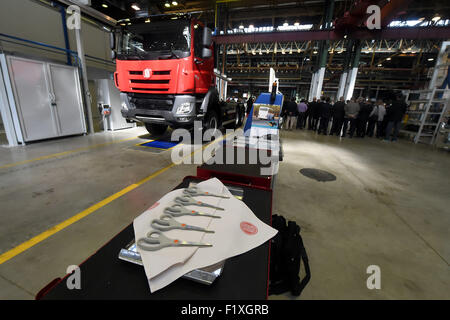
pixel 353 118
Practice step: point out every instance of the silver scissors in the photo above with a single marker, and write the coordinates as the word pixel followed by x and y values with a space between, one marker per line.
pixel 189 201
pixel 178 210
pixel 194 191
pixel 166 222
pixel 155 240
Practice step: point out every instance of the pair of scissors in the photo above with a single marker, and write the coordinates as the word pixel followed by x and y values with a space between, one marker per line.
pixel 194 191
pixel 155 240
pixel 166 222
pixel 178 210
pixel 189 201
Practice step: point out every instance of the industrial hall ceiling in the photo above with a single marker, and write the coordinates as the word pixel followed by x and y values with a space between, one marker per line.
pixel 287 36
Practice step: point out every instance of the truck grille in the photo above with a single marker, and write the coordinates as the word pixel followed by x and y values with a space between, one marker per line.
pixel 156 73
pixel 160 81
pixel 155 102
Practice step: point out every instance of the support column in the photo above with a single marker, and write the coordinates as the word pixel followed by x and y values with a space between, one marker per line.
pixel 319 74
pixel 84 78
pixel 341 87
pixel 351 78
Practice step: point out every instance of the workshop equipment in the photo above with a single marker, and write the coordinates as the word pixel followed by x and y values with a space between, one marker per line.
pixel 178 210
pixel 194 192
pixel 166 223
pixel 189 201
pixel 155 240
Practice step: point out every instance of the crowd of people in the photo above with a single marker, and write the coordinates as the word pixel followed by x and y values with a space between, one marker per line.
pixel 353 118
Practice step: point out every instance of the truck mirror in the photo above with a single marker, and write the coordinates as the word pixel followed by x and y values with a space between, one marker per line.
pixel 207 37
pixel 112 41
pixel 206 53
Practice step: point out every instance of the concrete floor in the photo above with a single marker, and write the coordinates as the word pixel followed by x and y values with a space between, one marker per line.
pixel 388 207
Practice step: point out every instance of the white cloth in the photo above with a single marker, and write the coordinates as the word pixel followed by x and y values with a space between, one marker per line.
pixel 230 238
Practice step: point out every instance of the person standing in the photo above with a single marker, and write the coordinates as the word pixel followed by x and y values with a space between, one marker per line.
pixel 317 112
pixel 363 117
pixel 312 111
pixel 301 108
pixel 325 115
pixel 249 105
pixel 338 113
pixel 351 113
pixel 291 114
pixel 376 118
pixel 394 118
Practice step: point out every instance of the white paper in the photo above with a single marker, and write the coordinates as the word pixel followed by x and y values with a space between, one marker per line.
pixel 228 240
pixel 156 262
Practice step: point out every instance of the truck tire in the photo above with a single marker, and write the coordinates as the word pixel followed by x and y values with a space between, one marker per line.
pixel 156 129
pixel 241 116
pixel 211 121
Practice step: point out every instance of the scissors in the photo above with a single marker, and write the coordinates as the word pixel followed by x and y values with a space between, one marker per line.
pixel 155 240
pixel 178 210
pixel 189 201
pixel 194 191
pixel 166 222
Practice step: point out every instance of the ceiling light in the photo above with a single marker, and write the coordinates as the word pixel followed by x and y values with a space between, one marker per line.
pixel 380 65
pixel 123 24
pixel 174 3
pixel 251 26
pixel 167 5
pixel 388 59
pixel 315 52
pixel 147 21
pixel 241 26
pixel 296 23
pixel 285 24
pixel 436 18
pixel 135 7
pixel 430 59
pixel 104 5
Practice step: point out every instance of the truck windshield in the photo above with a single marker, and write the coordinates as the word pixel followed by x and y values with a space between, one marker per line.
pixel 155 40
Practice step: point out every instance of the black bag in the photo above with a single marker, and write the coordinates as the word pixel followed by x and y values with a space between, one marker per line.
pixel 286 251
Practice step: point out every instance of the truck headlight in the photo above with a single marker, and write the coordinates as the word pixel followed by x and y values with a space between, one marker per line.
pixel 185 108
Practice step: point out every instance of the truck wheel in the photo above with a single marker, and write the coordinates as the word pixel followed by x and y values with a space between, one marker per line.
pixel 211 121
pixel 156 129
pixel 241 117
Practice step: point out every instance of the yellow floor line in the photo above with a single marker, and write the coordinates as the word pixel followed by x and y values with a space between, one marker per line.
pixel 44 235
pixel 63 153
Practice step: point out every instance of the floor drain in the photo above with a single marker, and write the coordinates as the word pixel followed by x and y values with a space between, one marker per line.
pixel 318 175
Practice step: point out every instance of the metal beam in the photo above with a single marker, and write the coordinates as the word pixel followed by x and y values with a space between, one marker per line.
pixel 388 33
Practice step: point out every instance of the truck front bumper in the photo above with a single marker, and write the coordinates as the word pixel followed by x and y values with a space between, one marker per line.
pixel 165 110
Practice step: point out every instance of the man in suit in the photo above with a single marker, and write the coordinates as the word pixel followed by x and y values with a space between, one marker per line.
pixel 325 115
pixel 338 113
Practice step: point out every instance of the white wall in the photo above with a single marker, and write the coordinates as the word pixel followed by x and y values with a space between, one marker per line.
pixel 36 21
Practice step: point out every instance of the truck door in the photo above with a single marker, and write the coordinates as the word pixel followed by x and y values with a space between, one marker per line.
pixel 203 68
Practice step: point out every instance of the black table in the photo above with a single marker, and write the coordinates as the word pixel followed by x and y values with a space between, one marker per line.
pixel 104 276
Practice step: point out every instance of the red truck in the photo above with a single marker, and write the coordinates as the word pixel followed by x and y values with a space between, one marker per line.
pixel 165 73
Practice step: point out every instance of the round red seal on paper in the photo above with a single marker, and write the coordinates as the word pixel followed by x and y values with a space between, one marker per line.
pixel 249 228
pixel 154 205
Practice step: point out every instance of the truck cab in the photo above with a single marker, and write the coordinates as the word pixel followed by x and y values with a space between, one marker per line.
pixel 165 72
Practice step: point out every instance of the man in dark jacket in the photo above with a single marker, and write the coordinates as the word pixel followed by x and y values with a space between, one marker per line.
pixel 394 117
pixel 363 117
pixel 312 107
pixel 316 112
pixel 249 105
pixel 338 116
pixel 325 115
pixel 291 114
